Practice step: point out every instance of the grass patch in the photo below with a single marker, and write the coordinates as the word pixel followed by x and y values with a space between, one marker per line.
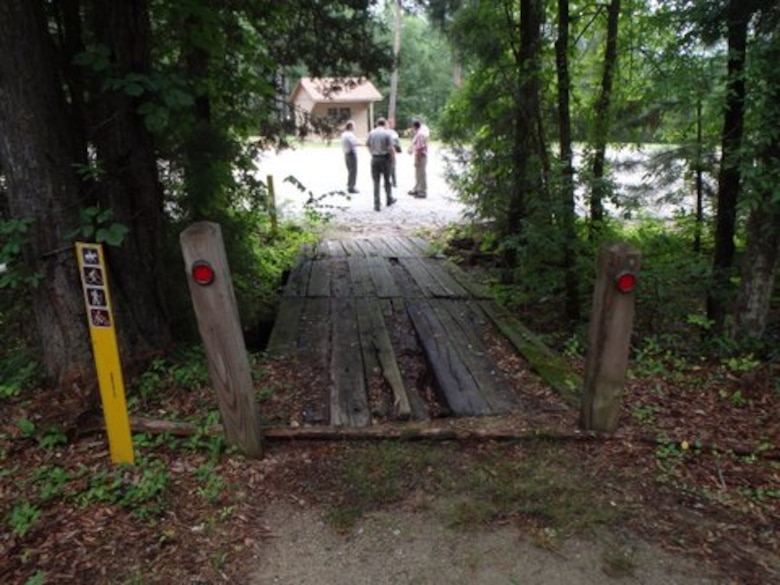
pixel 541 487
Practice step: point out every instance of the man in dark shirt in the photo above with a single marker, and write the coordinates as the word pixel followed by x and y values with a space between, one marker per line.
pixel 380 144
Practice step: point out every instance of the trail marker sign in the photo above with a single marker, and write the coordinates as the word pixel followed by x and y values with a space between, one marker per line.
pixel 92 269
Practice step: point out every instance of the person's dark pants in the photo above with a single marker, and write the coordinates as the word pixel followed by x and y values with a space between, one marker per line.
pixel 351 160
pixel 380 168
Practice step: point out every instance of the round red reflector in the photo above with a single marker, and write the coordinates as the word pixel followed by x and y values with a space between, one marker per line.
pixel 202 272
pixel 625 282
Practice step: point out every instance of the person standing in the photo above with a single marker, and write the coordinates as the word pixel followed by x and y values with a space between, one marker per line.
pixel 419 148
pixel 349 145
pixel 380 144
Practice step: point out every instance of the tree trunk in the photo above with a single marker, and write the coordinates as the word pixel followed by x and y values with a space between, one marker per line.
pixel 528 161
pixel 129 184
pixel 39 160
pixel 699 173
pixel 567 198
pixel 730 171
pixel 762 254
pixel 398 20
pixel 602 122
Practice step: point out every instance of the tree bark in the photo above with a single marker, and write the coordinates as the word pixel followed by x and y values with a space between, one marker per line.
pixel 730 176
pixel 129 184
pixel 39 159
pixel 762 253
pixel 699 173
pixel 602 123
pixel 567 197
pixel 528 169
pixel 397 22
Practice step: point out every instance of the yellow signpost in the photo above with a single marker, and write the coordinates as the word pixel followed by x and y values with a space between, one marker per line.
pixel 93 273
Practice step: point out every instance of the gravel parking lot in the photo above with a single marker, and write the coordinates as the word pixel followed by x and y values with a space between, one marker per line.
pixel 321 170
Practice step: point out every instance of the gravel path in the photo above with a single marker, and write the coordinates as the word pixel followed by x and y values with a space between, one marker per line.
pixel 321 170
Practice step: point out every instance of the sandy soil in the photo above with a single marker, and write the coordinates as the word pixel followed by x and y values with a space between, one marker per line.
pixel 413 547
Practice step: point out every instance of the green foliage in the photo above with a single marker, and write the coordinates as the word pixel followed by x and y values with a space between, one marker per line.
pixel 51 481
pixel 96 225
pixel 37 578
pixel 22 518
pixel 213 483
pixel 18 372
pixel 13 237
pixel 425 71
pixel 140 489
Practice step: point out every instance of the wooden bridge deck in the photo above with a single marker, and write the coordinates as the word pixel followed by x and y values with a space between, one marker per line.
pixel 397 333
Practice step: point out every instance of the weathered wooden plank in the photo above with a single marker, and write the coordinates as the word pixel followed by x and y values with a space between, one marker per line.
pixel 462 326
pixel 384 247
pixel 397 246
pixel 360 276
pixel 349 397
pixel 319 281
pixel 456 384
pixel 549 366
pixel 378 353
pixel 340 278
pixel 384 284
pixel 429 285
pixel 402 246
pixel 331 249
pixel 314 344
pixel 352 248
pixel 476 290
pixel 423 246
pixel 298 281
pixel 436 267
pixel 284 336
pixel 367 246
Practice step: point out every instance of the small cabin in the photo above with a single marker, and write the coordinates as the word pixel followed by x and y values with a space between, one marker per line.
pixel 335 100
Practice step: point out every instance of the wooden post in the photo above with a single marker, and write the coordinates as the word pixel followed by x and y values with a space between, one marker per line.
pixel 609 336
pixel 220 329
pixel 272 206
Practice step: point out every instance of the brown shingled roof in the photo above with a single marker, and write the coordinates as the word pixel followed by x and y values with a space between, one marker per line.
pixel 334 90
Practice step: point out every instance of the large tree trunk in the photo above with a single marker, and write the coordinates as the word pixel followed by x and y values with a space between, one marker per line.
pixel 528 160
pixel 39 159
pixel 602 123
pixel 567 165
pixel 762 254
pixel 129 184
pixel 730 166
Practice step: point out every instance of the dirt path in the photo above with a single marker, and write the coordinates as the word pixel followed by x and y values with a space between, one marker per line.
pixel 412 547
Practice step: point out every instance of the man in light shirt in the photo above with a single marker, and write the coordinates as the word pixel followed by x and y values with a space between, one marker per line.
pixel 419 148
pixel 349 144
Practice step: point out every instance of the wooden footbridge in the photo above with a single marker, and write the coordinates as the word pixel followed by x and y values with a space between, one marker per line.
pixel 394 332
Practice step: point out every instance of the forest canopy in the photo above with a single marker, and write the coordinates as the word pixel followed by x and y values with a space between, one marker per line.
pixel 122 122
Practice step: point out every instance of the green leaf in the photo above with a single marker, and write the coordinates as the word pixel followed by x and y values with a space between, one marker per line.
pixel 113 235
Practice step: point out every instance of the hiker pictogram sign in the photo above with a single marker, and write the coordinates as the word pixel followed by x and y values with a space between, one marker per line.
pixel 97 299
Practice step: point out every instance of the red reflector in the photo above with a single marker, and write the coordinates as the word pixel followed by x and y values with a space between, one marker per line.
pixel 202 272
pixel 625 282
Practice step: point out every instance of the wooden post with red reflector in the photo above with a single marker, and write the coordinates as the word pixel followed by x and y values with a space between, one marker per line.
pixel 214 301
pixel 609 336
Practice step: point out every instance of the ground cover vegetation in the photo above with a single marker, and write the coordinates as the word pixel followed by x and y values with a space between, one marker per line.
pixel 127 121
